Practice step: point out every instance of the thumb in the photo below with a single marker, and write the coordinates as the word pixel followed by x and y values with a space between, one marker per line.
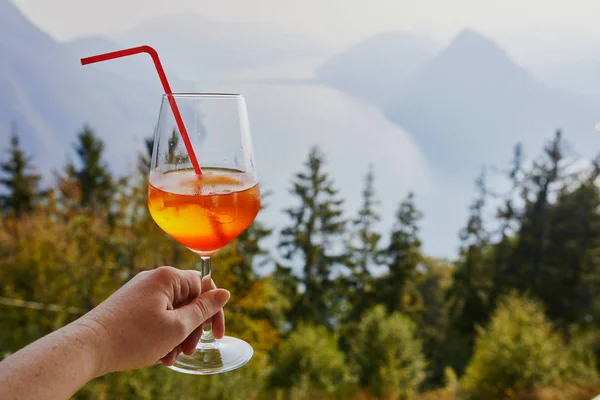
pixel 202 308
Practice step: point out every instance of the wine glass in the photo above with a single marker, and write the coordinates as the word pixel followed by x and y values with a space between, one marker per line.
pixel 205 212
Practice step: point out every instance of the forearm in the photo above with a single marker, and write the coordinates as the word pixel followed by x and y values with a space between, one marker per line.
pixel 52 368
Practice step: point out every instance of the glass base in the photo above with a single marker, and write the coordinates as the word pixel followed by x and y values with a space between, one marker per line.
pixel 217 357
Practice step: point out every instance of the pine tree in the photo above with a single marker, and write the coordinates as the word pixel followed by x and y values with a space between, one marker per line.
pixel 92 176
pixel 20 180
pixel 176 153
pixel 508 217
pixel 145 158
pixel 397 288
pixel 571 263
pixel 316 226
pixel 526 265
pixel 248 245
pixel 469 296
pixel 364 252
pixel 433 282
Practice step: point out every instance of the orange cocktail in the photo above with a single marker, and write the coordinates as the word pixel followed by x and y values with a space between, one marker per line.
pixel 204 213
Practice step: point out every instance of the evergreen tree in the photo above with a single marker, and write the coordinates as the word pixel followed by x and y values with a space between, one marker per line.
pixel 248 245
pixel 145 158
pixel 367 250
pixel 176 153
pixel 433 282
pixel 364 252
pixel 92 176
pixel 508 217
pixel 469 295
pixel 525 268
pixel 20 180
pixel 397 288
pixel 571 263
pixel 316 226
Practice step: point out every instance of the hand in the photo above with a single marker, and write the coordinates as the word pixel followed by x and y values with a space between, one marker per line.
pixel 154 317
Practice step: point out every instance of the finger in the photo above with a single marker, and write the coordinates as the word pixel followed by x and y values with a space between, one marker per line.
pixel 218 320
pixel 201 309
pixel 170 358
pixel 208 284
pixel 186 285
pixel 189 344
pixel 218 324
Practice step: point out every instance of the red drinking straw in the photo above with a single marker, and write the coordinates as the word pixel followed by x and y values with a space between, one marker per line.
pixel 166 87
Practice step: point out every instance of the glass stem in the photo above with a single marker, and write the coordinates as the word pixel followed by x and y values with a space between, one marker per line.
pixel 207 336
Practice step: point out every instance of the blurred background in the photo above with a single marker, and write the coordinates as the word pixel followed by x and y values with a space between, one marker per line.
pixel 458 256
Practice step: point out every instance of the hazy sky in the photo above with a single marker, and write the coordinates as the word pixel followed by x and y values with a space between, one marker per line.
pixel 529 29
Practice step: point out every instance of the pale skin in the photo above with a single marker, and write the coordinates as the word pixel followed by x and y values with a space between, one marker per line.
pixel 151 319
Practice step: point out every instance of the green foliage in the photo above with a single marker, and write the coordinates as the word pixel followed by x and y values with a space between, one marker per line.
pixel 144 158
pixel 397 289
pixel 316 227
pixel 519 350
pixel 310 358
pixel 433 319
pixel 560 392
pixel 321 323
pixel 470 294
pixel 158 382
pixel 554 248
pixel 248 246
pixel 364 254
pixel 571 264
pixel 20 181
pixel 387 355
pixel 91 175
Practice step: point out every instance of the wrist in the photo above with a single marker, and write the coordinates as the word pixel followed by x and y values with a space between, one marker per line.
pixel 92 339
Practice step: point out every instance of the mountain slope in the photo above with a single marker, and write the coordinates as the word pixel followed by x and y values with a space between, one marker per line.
pixel 577 75
pixel 45 90
pixel 471 104
pixel 378 68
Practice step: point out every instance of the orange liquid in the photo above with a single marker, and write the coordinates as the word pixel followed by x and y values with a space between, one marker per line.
pixel 207 213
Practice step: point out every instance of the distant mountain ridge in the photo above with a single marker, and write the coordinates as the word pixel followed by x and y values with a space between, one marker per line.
pixel 469 104
pixel 365 69
pixel 50 96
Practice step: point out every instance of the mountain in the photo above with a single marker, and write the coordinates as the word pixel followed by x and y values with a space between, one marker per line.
pixel 201 48
pixel 465 107
pixel 378 68
pixel 50 96
pixel 576 75
pixel 471 104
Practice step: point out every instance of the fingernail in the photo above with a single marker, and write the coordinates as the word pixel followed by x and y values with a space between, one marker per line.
pixel 221 296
